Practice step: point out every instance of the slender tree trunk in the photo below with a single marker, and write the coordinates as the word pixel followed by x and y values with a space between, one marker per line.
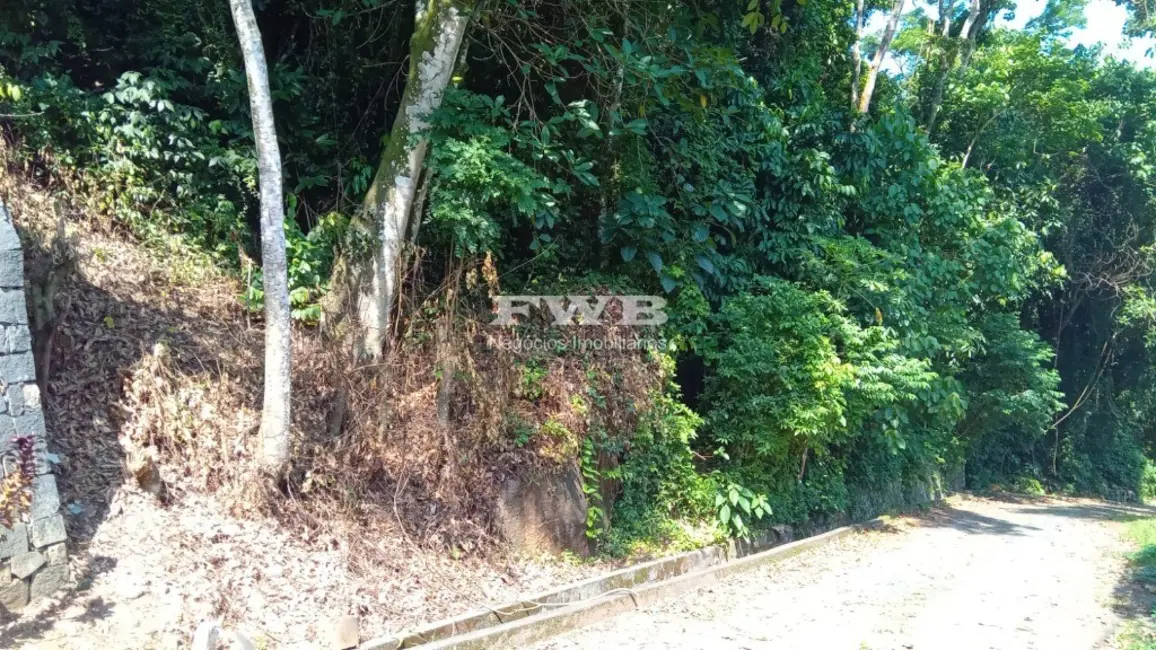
pixel 275 409
pixel 970 24
pixel 979 132
pixel 945 60
pixel 937 95
pixel 613 142
pixel 945 15
pixel 968 32
pixel 373 279
pixel 880 55
pixel 857 54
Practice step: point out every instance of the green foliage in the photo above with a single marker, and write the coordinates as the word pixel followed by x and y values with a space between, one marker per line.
pixel 1142 532
pixel 480 191
pixel 310 257
pixel 531 374
pixel 665 500
pixel 591 484
pixel 875 298
pixel 154 163
pixel 1073 154
pixel 149 106
pixel 779 386
pixel 736 505
pixel 1140 634
pixel 1100 456
pixel 1013 394
pixel 1148 482
pixel 797 384
pixel 1028 485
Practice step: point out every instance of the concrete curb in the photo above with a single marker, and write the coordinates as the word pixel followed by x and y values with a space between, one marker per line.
pixel 608 601
pixel 627 578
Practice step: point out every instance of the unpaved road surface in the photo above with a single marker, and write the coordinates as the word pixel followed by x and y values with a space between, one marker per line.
pixel 974 575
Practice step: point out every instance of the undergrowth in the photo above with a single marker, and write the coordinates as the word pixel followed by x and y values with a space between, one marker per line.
pixel 873 299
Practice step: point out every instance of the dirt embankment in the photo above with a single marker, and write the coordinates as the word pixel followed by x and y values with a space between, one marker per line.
pixel 153 398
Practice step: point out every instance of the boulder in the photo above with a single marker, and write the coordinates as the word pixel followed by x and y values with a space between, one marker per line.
pixel 544 514
pixel 13 541
pixel 48 581
pixel 47 531
pixel 57 553
pixel 783 533
pixel 26 564
pixel 13 595
pixel 345 633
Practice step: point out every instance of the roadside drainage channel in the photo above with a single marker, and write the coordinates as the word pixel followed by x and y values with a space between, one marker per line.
pixel 583 603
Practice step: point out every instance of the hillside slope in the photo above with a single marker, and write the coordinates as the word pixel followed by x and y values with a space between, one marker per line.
pixel 151 344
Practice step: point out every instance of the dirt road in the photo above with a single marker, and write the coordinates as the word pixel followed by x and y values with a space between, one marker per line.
pixel 976 575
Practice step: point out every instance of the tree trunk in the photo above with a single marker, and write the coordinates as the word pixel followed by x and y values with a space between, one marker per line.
pixel 880 55
pixel 946 11
pixel 932 113
pixel 967 32
pixel 979 132
pixel 969 23
pixel 857 54
pixel 275 409
pixel 372 279
pixel 971 26
pixel 946 59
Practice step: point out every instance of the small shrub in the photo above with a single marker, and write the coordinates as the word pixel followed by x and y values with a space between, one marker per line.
pixel 1148 481
pixel 734 503
pixel 1028 485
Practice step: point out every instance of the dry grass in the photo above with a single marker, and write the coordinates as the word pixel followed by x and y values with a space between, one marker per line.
pixel 153 407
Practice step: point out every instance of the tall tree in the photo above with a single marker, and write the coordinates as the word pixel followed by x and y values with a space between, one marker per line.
pixel 857 54
pixel 278 350
pixel 371 280
pixel 943 61
pixel 880 56
pixel 978 14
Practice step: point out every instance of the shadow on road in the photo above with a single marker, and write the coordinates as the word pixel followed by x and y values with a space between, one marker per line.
pixel 970 522
pixel 946 515
pixel 1099 511
pixel 1134 605
pixel 1133 596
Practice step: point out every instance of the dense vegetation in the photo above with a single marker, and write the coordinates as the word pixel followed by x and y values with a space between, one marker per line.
pixel 958 276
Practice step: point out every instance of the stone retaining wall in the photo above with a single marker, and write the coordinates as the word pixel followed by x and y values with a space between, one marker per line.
pixel 33 556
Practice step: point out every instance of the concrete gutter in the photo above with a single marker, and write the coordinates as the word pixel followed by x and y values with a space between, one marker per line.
pixel 590 601
pixel 627 578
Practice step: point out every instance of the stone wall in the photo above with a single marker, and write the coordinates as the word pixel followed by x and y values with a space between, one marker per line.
pixel 33 559
pixel 547 514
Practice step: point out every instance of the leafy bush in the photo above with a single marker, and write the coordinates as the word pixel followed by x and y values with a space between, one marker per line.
pixel 156 164
pixel 1148 482
pixel 779 385
pixel 665 500
pixel 798 386
pixel 734 503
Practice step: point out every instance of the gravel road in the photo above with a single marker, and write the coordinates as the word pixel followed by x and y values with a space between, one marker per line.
pixel 976 574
